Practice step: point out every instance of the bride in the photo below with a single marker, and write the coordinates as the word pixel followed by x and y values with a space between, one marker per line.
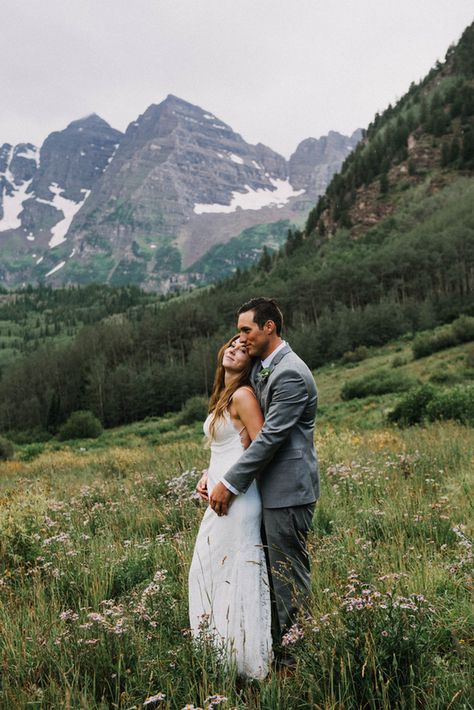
pixel 229 594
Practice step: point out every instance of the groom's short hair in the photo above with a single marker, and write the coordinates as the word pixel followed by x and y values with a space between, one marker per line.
pixel 263 309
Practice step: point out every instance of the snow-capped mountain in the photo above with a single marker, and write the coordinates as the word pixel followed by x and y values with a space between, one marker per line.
pixel 97 205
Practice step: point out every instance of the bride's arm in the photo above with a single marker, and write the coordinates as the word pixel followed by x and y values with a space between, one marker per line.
pixel 247 410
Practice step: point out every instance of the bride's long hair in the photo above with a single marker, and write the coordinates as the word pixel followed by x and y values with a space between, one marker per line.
pixel 221 395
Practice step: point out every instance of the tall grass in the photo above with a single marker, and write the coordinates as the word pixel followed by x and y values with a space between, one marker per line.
pixel 95 547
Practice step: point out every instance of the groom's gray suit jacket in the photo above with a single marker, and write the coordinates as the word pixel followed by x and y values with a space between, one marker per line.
pixel 282 457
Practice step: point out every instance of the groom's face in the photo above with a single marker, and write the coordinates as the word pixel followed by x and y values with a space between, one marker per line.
pixel 255 338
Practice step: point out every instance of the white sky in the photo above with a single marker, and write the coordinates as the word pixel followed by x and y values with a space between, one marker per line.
pixel 277 71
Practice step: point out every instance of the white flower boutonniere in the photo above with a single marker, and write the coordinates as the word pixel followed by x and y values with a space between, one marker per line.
pixel 262 376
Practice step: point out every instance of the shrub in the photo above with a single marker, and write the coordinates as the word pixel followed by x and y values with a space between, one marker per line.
pixel 456 403
pixel 460 331
pixel 194 410
pixel 30 436
pixel 398 361
pixel 357 355
pixel 412 408
pixel 470 359
pixel 378 382
pixel 463 329
pixel 31 451
pixel 7 450
pixel 425 345
pixel 80 425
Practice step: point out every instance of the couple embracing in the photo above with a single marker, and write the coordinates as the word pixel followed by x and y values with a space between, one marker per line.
pixel 250 574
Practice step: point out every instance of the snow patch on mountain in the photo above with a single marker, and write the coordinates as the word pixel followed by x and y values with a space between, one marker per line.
pixel 68 207
pixel 13 202
pixel 253 199
pixel 30 154
pixel 236 159
pixel 56 268
pixel 13 207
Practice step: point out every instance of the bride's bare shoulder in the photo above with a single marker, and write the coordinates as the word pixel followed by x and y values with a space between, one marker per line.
pixel 243 394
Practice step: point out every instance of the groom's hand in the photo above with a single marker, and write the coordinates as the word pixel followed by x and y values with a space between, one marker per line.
pixel 221 499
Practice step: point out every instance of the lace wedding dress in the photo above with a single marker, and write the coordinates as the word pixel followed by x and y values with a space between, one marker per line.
pixel 228 583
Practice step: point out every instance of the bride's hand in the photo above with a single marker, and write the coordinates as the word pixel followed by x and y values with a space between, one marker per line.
pixel 201 487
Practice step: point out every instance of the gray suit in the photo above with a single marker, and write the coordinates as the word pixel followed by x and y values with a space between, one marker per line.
pixel 283 460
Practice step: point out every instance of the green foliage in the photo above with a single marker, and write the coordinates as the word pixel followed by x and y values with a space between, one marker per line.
pixel 357 355
pixel 245 250
pixel 428 402
pixel 412 408
pixel 460 331
pixel 470 359
pixel 7 450
pixel 425 345
pixel 463 329
pixel 398 361
pixel 80 425
pixel 454 403
pixel 194 410
pixel 375 383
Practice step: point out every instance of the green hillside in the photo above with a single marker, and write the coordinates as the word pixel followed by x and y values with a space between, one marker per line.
pixel 241 252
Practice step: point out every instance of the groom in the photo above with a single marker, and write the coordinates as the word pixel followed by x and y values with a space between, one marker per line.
pixel 282 459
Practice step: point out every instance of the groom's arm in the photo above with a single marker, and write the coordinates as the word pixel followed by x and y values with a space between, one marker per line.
pixel 289 400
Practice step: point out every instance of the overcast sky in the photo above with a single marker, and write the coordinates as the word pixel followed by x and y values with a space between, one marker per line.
pixel 277 71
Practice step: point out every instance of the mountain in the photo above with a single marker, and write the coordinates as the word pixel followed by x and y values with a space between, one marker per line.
pixel 44 189
pixel 143 207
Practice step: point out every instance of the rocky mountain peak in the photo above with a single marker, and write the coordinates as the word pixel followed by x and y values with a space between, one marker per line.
pixel 315 160
pixel 93 122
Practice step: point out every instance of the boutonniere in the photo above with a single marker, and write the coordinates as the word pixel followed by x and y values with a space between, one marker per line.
pixel 262 376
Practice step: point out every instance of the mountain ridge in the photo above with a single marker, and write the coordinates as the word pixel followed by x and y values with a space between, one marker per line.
pixel 140 207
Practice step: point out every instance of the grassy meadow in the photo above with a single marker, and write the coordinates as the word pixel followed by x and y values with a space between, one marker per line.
pixel 96 539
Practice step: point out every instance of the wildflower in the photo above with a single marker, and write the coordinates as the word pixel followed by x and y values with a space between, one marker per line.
pixel 152 699
pixel 94 616
pixel 68 615
pixel 294 634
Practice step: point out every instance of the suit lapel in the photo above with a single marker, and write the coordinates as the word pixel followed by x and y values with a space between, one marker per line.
pixel 261 385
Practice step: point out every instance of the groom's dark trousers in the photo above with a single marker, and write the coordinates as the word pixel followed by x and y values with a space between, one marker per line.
pixel 284 534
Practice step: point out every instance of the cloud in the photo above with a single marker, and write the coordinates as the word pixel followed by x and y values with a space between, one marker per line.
pixel 276 71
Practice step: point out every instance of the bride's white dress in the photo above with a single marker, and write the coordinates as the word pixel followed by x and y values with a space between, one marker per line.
pixel 228 582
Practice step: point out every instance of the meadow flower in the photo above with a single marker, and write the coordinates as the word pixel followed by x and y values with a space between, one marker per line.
pixel 94 616
pixel 68 615
pixel 294 634
pixel 158 698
